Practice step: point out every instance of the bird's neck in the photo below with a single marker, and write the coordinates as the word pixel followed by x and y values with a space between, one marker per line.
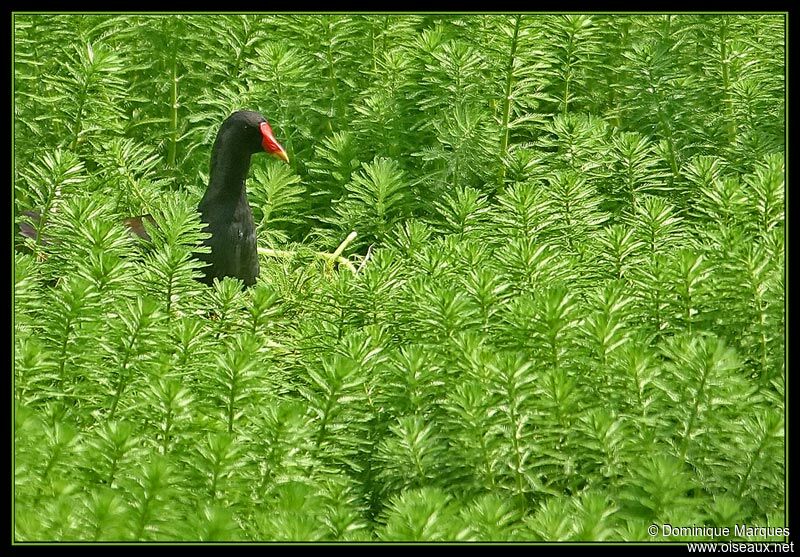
pixel 229 168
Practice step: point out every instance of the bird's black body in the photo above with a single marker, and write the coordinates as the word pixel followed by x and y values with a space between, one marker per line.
pixel 224 207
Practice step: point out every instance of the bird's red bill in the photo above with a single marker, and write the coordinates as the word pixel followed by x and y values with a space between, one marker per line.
pixel 270 144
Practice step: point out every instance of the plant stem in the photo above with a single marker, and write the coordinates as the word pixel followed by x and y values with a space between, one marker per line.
pixel 507 100
pixel 76 128
pixel 332 83
pixel 727 102
pixel 173 144
pixel 695 413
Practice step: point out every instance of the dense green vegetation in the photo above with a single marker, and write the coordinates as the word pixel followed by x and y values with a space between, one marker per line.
pixel 566 320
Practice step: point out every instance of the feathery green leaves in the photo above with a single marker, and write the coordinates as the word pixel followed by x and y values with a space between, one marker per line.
pixel 561 318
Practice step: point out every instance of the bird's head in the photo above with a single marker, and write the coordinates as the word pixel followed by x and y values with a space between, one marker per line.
pixel 255 133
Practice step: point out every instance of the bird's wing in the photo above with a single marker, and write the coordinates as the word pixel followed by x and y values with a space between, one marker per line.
pixel 244 255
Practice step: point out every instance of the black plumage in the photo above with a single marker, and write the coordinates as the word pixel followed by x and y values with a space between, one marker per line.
pixel 224 207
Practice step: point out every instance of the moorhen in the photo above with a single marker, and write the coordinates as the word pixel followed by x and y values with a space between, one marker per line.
pixel 224 207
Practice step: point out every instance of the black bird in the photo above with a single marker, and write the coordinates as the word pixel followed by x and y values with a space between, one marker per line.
pixel 224 207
